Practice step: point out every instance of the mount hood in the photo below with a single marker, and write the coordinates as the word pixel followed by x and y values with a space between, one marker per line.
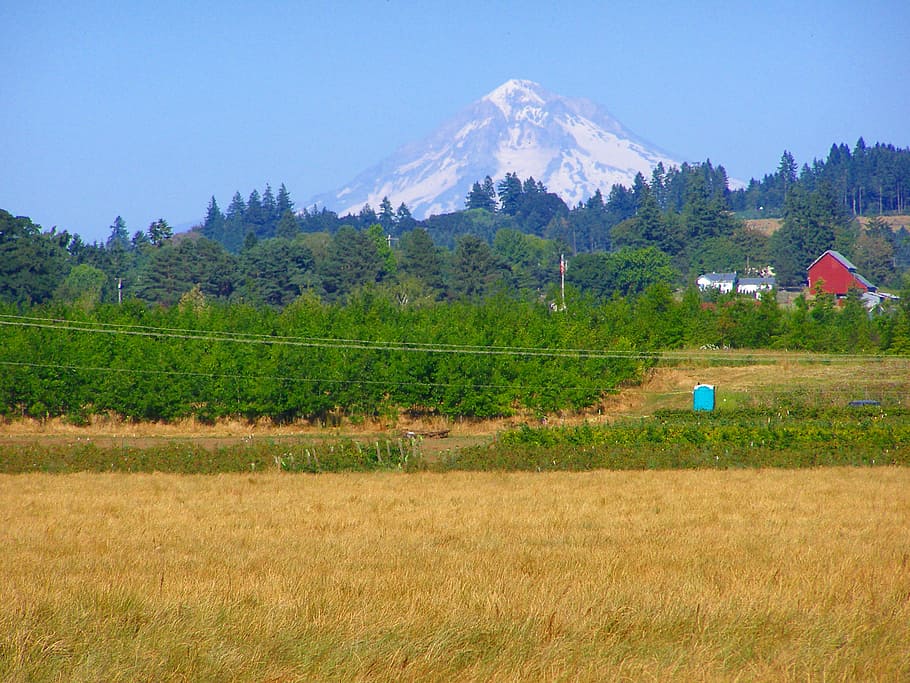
pixel 571 145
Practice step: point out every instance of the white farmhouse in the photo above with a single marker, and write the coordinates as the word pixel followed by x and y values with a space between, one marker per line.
pixel 723 282
pixel 754 286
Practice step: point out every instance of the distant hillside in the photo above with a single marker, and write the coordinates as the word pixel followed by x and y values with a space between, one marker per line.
pixel 894 222
pixel 768 226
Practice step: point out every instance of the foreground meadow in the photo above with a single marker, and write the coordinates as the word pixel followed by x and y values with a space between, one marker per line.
pixel 656 575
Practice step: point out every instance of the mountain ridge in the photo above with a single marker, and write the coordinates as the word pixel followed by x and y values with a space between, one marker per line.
pixel 571 145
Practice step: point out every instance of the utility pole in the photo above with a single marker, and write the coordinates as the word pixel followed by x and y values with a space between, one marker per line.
pixel 562 279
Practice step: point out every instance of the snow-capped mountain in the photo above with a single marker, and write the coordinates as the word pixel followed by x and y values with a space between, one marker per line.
pixel 571 145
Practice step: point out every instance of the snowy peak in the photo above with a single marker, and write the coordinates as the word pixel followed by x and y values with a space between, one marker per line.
pixel 517 95
pixel 572 145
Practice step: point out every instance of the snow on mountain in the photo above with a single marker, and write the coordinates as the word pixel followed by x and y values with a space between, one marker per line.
pixel 571 145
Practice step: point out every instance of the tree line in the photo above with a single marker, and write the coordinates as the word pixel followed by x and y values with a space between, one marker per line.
pixel 867 181
pixel 156 267
pixel 510 237
pixel 688 212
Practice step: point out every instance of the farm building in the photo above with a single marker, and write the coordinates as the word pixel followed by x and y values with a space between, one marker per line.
pixel 755 285
pixel 723 282
pixel 836 275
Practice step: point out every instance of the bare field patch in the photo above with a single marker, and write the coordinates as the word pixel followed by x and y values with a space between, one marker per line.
pixel 893 222
pixel 765 226
pixel 696 575
pixel 767 378
pixel 768 226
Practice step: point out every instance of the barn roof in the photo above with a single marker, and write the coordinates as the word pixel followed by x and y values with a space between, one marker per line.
pixel 844 261
pixel 864 282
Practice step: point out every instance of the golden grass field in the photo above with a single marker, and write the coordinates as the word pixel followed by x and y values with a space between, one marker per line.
pixel 694 575
pixel 769 226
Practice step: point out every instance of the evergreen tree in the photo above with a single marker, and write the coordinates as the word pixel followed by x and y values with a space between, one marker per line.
pixel 284 202
pixel 174 269
pixel 420 259
pixel 650 222
pixel 531 186
pixel 367 217
pixel 288 227
pixel 352 261
pixel 159 232
pixel 403 219
pixel 475 268
pixel 589 229
pixel 537 208
pixel 786 173
pixel 214 224
pixel 319 220
pixel 647 227
pixel 620 205
pixel 810 222
pixel 270 215
pixel 639 189
pixel 254 218
pixel 532 262
pixel 658 179
pixel 873 252
pixel 387 216
pixel 596 219
pixel 899 336
pixel 139 240
pixel 32 264
pixel 509 189
pixel 276 271
pixel 489 189
pixel 77 247
pixel 235 224
pixel 119 238
pixel 478 199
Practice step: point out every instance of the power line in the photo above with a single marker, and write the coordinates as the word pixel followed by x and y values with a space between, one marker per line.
pixel 742 357
pixel 314 342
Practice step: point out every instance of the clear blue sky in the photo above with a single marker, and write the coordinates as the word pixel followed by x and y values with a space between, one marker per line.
pixel 147 109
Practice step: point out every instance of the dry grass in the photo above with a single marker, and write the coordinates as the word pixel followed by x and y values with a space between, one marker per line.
pixel 765 226
pixel 770 377
pixel 768 226
pixel 893 222
pixel 704 575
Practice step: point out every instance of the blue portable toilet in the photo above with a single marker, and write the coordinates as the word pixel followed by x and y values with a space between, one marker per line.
pixel 703 397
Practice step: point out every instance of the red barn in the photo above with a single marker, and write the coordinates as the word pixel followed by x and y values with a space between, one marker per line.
pixel 836 274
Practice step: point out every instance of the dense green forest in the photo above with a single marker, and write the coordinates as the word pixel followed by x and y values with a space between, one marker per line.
pixel 509 237
pixel 222 320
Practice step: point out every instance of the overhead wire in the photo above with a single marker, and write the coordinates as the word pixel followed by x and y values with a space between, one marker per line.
pixel 316 342
pixel 703 355
pixel 671 356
